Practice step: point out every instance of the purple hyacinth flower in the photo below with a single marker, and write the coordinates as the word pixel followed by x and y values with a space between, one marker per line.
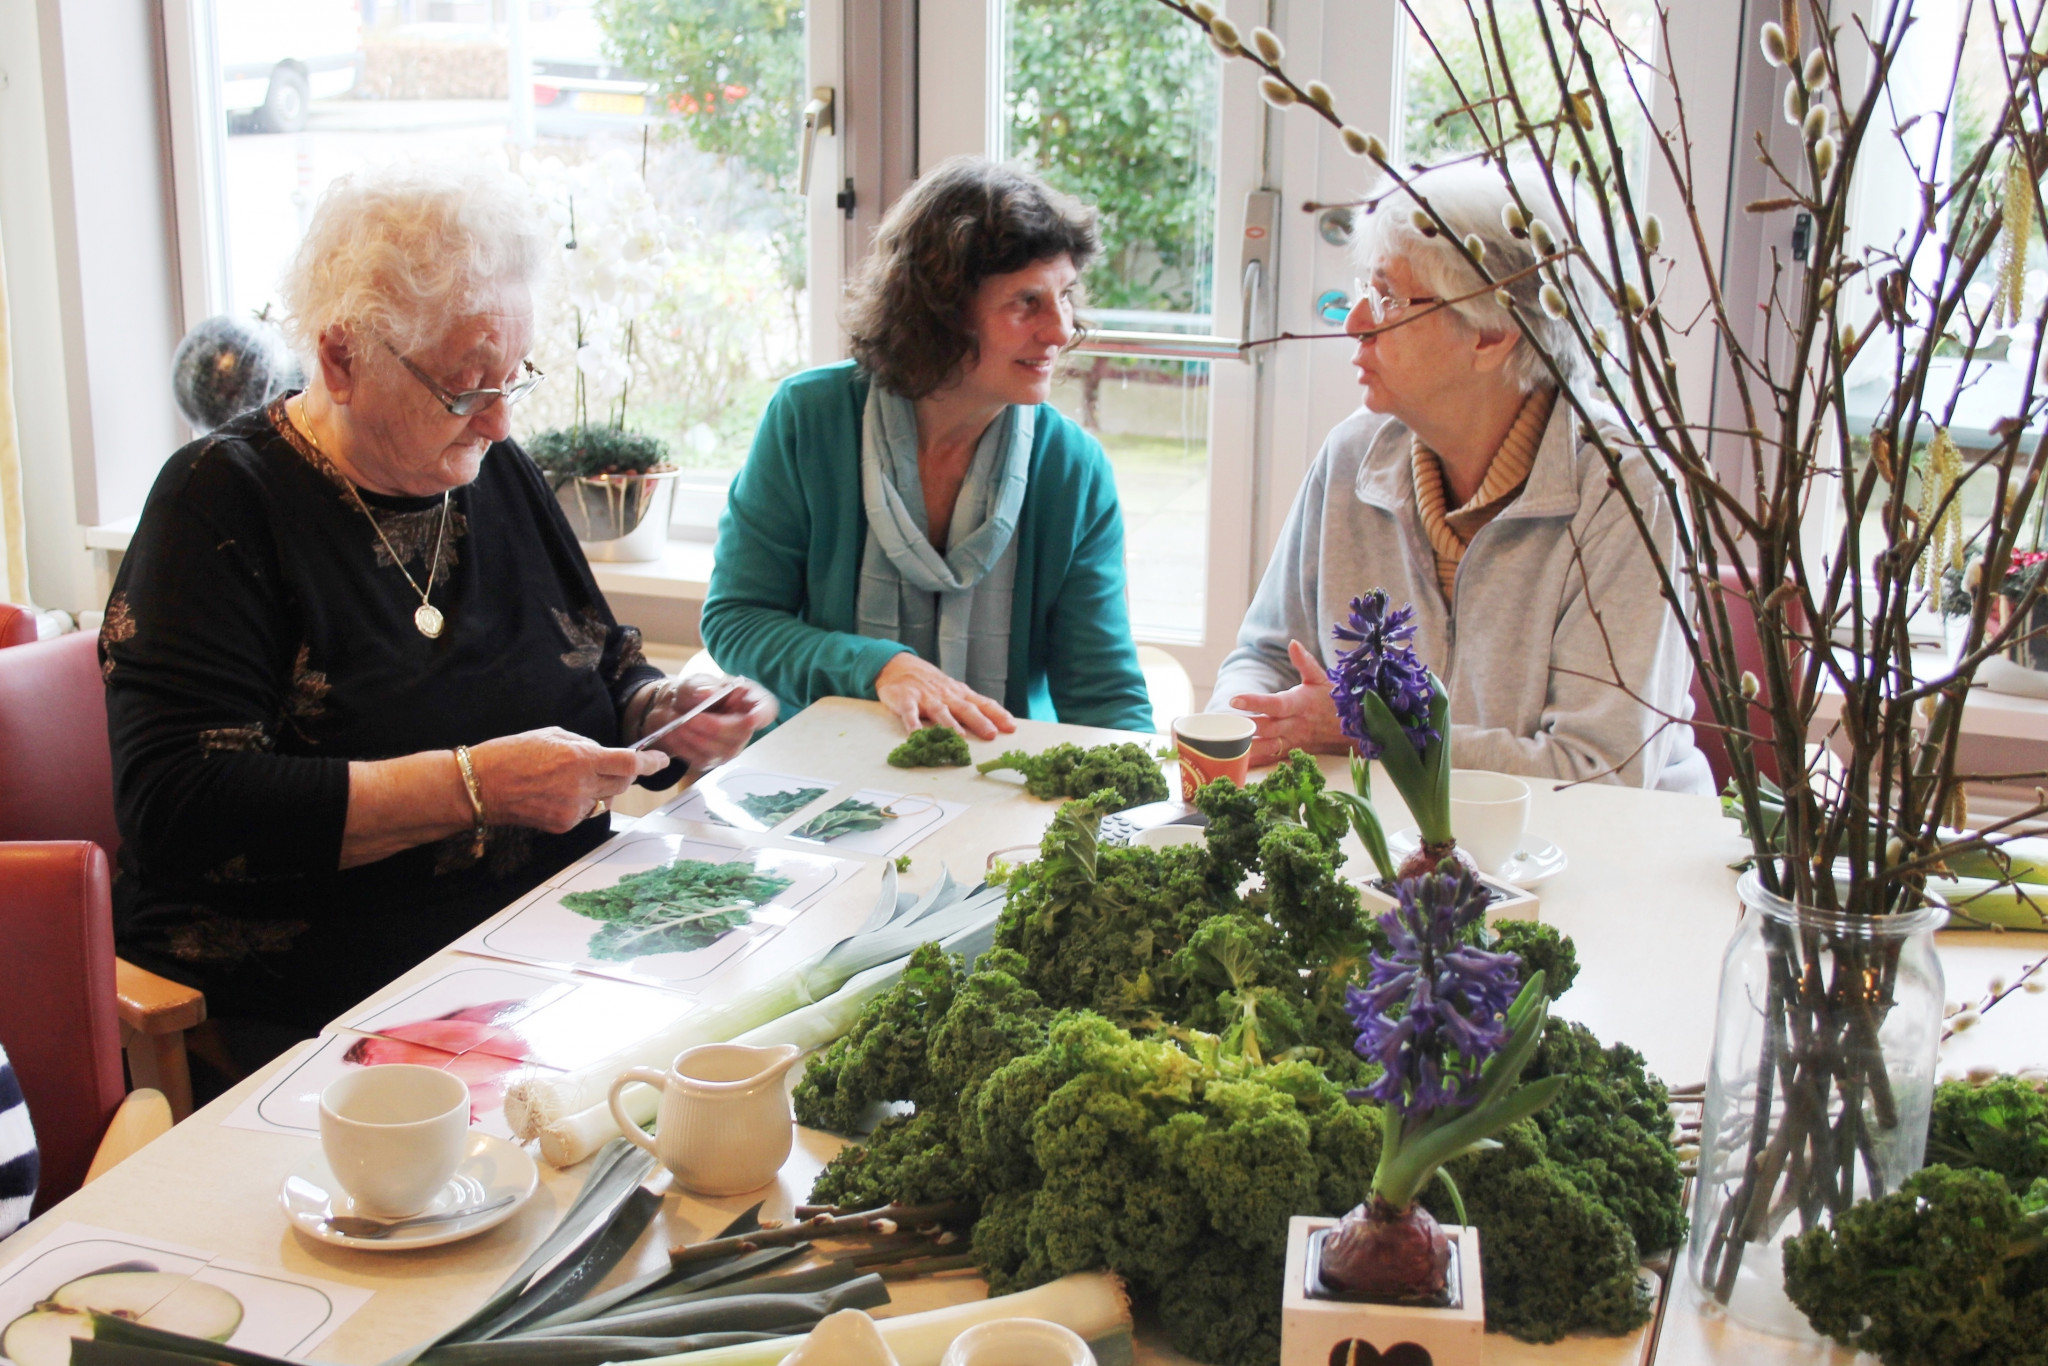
pixel 1383 663
pixel 1436 1010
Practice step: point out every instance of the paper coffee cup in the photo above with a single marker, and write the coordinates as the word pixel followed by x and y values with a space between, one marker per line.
pixel 1489 812
pixel 393 1135
pixel 1212 745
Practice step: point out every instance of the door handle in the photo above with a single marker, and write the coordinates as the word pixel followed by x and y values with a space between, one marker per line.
pixel 817 120
pixel 1261 221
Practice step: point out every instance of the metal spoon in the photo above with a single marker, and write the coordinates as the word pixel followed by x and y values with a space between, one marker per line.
pixel 356 1226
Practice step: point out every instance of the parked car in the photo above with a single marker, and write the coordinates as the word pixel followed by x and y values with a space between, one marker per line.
pixel 278 56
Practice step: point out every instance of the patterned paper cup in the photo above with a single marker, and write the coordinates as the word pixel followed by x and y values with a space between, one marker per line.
pixel 1212 745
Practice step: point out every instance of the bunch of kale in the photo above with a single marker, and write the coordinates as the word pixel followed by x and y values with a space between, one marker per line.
pixel 1147 1074
pixel 1952 1268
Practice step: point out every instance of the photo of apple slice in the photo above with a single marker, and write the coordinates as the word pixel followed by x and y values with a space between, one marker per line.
pixel 168 1300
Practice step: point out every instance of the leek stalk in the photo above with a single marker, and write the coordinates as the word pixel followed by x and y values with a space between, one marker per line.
pixel 1982 901
pixel 1092 1303
pixel 898 925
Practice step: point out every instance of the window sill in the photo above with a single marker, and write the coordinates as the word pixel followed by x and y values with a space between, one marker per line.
pixel 683 571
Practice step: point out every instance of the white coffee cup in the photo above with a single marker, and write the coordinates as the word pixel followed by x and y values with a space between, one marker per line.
pixel 1170 836
pixel 393 1135
pixel 1489 813
pixel 1018 1342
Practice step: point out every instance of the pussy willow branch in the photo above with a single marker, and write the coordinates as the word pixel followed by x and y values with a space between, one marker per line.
pixel 1899 774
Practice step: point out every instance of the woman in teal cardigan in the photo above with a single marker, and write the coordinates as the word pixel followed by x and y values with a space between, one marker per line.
pixel 918 525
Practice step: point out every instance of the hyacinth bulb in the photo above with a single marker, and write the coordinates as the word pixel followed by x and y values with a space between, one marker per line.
pixel 1380 1252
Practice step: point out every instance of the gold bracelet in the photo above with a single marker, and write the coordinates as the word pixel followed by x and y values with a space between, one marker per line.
pixel 476 799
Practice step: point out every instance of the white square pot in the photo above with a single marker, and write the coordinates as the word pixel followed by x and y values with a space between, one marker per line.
pixel 1510 902
pixel 1317 1332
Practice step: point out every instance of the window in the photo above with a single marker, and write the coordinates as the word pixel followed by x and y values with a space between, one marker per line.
pixel 659 135
pixel 1118 104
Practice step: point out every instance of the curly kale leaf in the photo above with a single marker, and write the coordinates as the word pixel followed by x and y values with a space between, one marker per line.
pixel 674 908
pixel 883 1057
pixel 1542 948
pixel 1949 1270
pixel 2001 1124
pixel 931 747
pixel 1609 1129
pixel 1070 771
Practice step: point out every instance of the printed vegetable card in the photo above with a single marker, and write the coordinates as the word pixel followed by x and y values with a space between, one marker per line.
pixel 290 1104
pixel 747 800
pixel 524 1015
pixel 883 824
pixel 46 1296
pixel 666 908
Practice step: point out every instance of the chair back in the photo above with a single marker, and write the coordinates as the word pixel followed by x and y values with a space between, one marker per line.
pixel 57 1015
pixel 17 625
pixel 56 771
pixel 1749 656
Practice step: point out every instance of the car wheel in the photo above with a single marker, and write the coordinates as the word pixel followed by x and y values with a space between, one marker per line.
pixel 286 103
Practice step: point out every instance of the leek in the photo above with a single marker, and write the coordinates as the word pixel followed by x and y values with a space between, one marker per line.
pixel 1983 901
pixel 1092 1303
pixel 811 1007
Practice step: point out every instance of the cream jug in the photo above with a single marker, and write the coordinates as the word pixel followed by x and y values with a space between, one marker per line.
pixel 724 1127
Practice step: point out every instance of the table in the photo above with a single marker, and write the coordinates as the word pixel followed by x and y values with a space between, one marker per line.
pixel 1648 898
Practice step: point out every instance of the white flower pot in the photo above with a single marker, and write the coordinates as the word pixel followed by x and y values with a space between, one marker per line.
pixel 1316 1332
pixel 619 517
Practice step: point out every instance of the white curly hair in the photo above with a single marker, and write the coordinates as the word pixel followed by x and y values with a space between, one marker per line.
pixel 1472 198
pixel 403 253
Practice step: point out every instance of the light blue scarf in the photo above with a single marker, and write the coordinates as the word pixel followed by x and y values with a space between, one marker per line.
pixel 954 610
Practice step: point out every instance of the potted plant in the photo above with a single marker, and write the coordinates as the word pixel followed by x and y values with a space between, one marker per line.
pixel 1395 710
pixel 615 485
pixel 1823 1062
pixel 1452 1026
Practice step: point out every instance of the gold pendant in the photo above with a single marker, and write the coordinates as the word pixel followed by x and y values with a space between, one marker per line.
pixel 428 619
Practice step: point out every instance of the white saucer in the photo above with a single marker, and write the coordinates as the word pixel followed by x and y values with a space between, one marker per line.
pixel 1538 860
pixel 491 1168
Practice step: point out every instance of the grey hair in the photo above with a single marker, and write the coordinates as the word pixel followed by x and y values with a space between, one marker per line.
pixel 403 253
pixel 1472 197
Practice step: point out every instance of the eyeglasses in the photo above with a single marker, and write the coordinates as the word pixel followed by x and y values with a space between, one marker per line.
pixel 470 402
pixel 1381 306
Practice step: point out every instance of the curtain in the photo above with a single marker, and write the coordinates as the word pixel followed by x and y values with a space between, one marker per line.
pixel 13 532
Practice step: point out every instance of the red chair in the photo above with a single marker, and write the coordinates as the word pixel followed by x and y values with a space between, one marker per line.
pixel 1749 656
pixel 56 916
pixel 17 625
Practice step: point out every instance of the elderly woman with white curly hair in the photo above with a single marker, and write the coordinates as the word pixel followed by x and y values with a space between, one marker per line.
pixel 1461 486
pixel 362 688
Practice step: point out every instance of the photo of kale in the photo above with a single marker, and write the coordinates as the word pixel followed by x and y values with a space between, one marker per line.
pixel 675 908
pixel 850 817
pixel 770 808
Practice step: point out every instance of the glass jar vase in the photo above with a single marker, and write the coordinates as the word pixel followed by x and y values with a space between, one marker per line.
pixel 1821 1081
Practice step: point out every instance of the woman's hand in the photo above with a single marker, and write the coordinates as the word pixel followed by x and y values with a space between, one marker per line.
pixel 719 733
pixel 1303 717
pixel 552 778
pixel 921 695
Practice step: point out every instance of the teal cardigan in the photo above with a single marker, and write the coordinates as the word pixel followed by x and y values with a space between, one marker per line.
pixel 781 605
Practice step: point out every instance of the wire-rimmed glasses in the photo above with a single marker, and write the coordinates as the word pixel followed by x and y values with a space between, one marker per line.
pixel 470 402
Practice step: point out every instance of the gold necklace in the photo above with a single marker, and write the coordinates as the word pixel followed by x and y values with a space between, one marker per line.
pixel 426 617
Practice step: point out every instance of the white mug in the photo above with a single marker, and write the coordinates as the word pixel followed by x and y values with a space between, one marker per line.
pixel 1018 1342
pixel 393 1135
pixel 1489 812
pixel 724 1127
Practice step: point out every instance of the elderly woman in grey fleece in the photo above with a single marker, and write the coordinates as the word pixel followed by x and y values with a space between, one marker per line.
pixel 1460 486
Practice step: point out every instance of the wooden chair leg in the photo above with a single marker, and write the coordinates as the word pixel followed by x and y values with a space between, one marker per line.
pixel 158 1061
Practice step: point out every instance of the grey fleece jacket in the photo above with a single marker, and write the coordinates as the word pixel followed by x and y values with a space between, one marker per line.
pixel 1521 654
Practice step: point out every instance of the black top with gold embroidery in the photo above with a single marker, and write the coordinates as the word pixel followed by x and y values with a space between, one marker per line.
pixel 259 637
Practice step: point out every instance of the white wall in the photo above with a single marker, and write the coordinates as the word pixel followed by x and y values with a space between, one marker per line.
pixel 59 566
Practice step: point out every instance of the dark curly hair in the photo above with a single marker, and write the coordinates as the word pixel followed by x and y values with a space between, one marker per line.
pixel 908 309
